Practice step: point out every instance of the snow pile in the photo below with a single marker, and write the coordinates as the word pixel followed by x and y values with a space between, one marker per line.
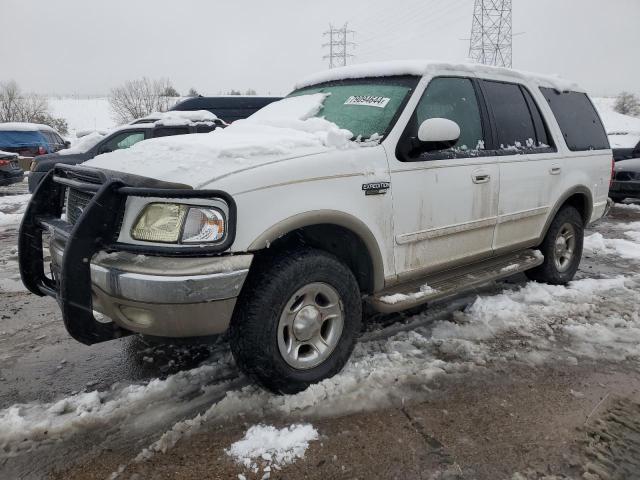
pixel 623 130
pixel 83 113
pixel 26 426
pixel 83 144
pixel 283 130
pixel 598 244
pixel 177 118
pixel 12 208
pixel 272 447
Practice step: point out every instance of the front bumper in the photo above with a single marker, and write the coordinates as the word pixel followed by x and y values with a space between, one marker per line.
pixel 155 291
pixel 164 296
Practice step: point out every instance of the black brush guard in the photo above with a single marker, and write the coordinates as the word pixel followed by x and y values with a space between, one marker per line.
pixel 95 230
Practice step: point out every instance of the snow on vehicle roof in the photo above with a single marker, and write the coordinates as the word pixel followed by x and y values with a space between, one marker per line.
pixel 426 67
pixel 7 154
pixel 286 128
pixel 178 117
pixel 24 127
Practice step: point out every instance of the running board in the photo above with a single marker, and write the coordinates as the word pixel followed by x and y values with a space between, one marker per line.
pixel 451 282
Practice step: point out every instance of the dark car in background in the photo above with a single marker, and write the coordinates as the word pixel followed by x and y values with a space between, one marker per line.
pixel 625 145
pixel 10 171
pixel 30 140
pixel 121 138
pixel 626 180
pixel 228 108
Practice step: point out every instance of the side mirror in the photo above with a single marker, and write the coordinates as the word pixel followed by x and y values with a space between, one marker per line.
pixel 67 144
pixel 438 134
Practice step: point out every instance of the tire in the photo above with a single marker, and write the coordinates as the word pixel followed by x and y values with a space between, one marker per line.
pixel 617 198
pixel 296 294
pixel 554 270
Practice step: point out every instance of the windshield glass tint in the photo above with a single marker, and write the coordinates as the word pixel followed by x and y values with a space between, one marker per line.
pixel 364 109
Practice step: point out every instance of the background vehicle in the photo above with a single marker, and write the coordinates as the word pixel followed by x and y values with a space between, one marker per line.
pixel 229 108
pixel 122 138
pixel 277 227
pixel 626 180
pixel 625 145
pixel 30 140
pixel 10 171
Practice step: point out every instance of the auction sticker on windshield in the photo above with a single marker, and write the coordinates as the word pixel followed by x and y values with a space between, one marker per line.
pixel 368 101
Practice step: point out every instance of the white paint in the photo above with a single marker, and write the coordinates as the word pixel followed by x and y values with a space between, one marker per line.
pixel 438 130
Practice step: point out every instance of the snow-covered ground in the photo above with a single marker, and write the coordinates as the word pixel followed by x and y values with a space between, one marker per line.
pixel 532 324
pixel 82 113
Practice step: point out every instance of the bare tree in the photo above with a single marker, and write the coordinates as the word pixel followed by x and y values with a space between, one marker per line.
pixel 627 104
pixel 193 93
pixel 18 107
pixel 138 98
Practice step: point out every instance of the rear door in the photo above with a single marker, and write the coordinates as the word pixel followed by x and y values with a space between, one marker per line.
pixel 530 171
pixel 446 201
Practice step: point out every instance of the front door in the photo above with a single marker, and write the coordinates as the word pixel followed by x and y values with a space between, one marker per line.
pixel 445 201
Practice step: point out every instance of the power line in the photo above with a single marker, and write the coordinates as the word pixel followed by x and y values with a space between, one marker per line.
pixel 339 45
pixel 492 33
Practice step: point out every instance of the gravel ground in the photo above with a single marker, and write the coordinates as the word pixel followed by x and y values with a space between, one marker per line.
pixel 525 401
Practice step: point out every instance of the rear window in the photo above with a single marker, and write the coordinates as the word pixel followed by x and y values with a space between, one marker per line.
pixel 578 120
pixel 21 139
pixel 170 131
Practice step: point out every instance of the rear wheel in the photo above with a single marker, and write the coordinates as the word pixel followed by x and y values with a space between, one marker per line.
pixel 297 320
pixel 562 248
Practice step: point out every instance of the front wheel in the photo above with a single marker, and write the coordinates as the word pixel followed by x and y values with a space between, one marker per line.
pixel 297 320
pixel 562 249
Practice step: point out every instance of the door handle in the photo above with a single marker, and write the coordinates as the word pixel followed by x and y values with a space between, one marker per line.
pixel 481 178
pixel 555 170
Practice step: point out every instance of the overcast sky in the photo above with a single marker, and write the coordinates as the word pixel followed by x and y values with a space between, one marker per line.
pixel 89 46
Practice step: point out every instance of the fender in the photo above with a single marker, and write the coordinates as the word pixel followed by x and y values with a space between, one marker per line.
pixel 578 189
pixel 331 217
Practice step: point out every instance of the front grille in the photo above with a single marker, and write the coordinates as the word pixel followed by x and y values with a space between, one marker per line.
pixel 75 202
pixel 627 176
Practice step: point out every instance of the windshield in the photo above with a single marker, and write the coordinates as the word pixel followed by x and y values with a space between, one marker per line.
pixel 367 108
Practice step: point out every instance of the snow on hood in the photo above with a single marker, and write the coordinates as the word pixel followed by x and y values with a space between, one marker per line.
pixel 283 129
pixel 83 144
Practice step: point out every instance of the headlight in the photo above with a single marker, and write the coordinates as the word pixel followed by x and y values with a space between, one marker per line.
pixel 177 223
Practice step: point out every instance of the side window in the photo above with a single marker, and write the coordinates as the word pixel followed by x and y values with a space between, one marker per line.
pixel 578 120
pixel 122 141
pixel 543 139
pixel 512 117
pixel 204 128
pixel 170 131
pixel 454 99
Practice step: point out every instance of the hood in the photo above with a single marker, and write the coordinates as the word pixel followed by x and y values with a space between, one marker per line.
pixel 632 165
pixel 282 130
pixel 46 162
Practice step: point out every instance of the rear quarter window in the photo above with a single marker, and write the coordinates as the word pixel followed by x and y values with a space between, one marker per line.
pixel 578 120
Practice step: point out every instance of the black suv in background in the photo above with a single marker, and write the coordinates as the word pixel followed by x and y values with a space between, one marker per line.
pixel 119 139
pixel 228 108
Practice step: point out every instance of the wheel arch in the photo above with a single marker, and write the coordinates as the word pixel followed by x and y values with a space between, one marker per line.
pixel 579 197
pixel 319 228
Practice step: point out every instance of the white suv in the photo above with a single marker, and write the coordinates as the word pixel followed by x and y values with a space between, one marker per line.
pixel 387 184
